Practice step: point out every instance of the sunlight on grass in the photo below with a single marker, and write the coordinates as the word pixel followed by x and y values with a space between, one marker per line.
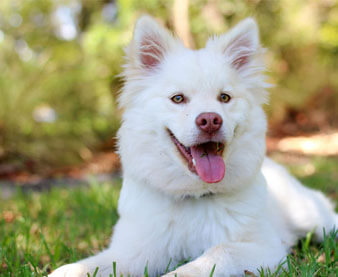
pixel 315 172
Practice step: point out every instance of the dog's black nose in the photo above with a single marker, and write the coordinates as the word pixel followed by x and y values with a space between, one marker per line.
pixel 209 122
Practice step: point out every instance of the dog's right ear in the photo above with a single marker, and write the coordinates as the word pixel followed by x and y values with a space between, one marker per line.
pixel 240 45
pixel 150 44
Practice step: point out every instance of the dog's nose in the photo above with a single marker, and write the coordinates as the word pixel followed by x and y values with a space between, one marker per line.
pixel 209 122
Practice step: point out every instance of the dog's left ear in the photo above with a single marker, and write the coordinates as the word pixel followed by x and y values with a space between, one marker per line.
pixel 150 44
pixel 239 45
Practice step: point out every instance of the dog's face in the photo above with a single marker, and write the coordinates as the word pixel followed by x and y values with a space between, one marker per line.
pixel 193 122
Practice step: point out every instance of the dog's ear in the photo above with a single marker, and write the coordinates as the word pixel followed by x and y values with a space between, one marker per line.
pixel 150 44
pixel 239 45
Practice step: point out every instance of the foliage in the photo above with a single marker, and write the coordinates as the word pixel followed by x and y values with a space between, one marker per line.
pixel 59 62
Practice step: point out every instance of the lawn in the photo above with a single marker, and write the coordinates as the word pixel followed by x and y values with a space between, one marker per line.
pixel 40 231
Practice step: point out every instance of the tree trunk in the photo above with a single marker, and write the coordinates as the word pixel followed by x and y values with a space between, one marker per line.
pixel 181 22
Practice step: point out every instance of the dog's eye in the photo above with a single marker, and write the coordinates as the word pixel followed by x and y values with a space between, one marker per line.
pixel 225 98
pixel 178 98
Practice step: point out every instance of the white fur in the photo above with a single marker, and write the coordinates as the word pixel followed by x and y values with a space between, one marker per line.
pixel 252 217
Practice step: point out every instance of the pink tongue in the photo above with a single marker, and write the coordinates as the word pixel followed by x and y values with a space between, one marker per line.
pixel 209 164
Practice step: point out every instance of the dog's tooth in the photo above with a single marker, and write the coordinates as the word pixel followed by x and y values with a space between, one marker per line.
pixel 193 162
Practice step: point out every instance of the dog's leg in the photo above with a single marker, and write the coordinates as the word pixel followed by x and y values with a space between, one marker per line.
pixel 233 259
pixel 102 262
pixel 303 209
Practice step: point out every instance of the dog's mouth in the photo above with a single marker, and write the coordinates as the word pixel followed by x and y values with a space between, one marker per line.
pixel 204 159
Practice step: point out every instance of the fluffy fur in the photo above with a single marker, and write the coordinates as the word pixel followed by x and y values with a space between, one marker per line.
pixel 248 220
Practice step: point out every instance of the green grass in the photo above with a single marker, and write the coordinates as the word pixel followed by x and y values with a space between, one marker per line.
pixel 41 231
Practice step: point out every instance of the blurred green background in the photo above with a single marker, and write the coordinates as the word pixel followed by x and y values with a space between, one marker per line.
pixel 59 62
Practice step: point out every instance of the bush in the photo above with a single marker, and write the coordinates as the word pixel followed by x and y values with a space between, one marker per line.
pixel 59 61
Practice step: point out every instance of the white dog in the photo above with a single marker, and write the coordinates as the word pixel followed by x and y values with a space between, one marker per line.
pixel 196 183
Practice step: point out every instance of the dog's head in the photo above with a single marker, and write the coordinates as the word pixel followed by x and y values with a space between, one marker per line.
pixel 193 122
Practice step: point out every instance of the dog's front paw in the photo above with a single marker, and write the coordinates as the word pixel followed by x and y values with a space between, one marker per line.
pixel 185 271
pixel 70 270
pixel 177 274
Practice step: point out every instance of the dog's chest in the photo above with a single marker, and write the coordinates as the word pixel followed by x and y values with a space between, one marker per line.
pixel 198 225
